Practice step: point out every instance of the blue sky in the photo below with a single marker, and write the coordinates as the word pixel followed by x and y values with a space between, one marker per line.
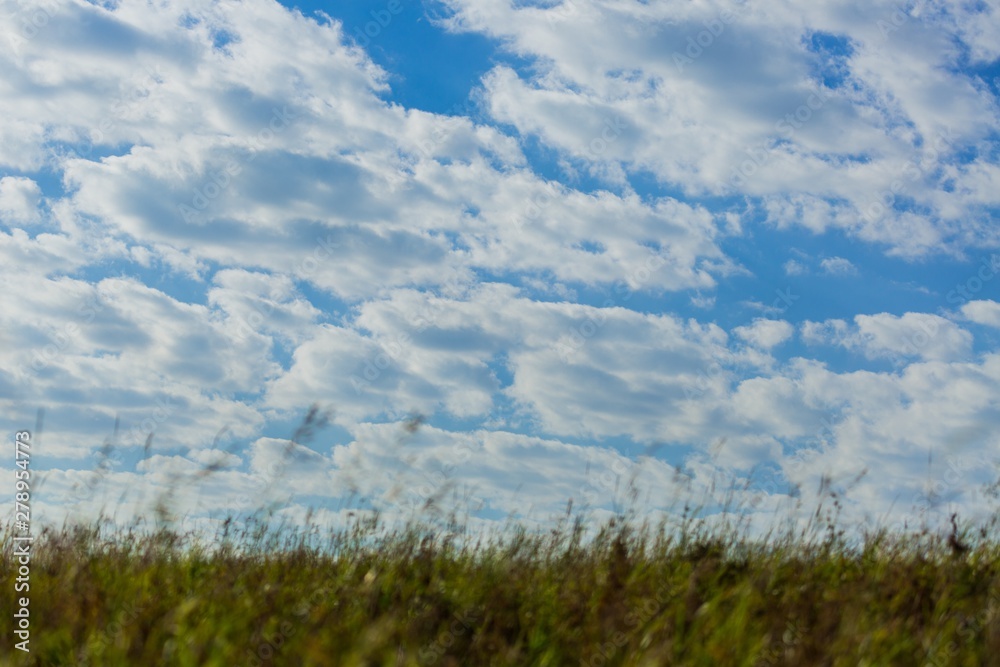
pixel 590 241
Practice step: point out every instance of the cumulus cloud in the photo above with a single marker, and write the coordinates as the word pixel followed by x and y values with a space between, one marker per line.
pixel 578 370
pixel 848 149
pixel 764 333
pixel 838 266
pixel 257 302
pixel 793 267
pixel 122 348
pixel 266 166
pixel 982 312
pixel 267 159
pixel 238 219
pixel 19 200
pixel 826 332
pixel 911 335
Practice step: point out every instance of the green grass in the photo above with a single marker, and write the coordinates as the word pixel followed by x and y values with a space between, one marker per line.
pixel 700 591
pixel 368 595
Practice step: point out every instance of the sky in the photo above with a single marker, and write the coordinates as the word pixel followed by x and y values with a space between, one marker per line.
pixel 683 247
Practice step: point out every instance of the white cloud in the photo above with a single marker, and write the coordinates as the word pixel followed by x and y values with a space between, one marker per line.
pixel 838 266
pixel 826 332
pixel 578 370
pixel 979 28
pixel 19 200
pixel 262 303
pixel 765 334
pixel 698 117
pixel 982 312
pixel 703 301
pixel 215 152
pixel 794 267
pixel 911 335
pixel 93 351
pixel 346 249
pixel 259 167
pixel 216 458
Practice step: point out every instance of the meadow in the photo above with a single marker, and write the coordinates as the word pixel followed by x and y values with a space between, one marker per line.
pixel 431 592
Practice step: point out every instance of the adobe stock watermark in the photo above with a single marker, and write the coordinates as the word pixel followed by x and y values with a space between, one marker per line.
pixel 569 345
pixel 21 625
pixel 381 18
pixel 698 43
pixel 68 332
pixel 109 460
pixel 970 629
pixel 391 351
pixel 928 328
pixel 421 495
pixel 706 379
pixel 964 292
pixel 912 171
pixel 388 354
pixel 253 323
pixel 611 131
pixel 444 127
pixel 261 484
pixel 788 125
pixel 780 652
pixel 953 482
pixel 564 10
pixel 124 103
pixel 900 16
pixel 266 646
pixel 604 484
pixel 784 299
pixel 111 634
pixel 636 618
pixel 140 433
pixel 219 180
pixel 263 309
pixel 139 88
pixel 33 19
pixel 461 624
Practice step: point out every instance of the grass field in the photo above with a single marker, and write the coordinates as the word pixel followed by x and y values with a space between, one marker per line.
pixel 370 596
pixel 434 592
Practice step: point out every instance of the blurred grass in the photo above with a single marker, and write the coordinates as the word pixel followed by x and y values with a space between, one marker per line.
pixel 371 596
pixel 433 593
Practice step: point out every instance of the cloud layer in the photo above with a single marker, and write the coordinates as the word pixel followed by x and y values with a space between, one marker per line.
pixel 213 215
